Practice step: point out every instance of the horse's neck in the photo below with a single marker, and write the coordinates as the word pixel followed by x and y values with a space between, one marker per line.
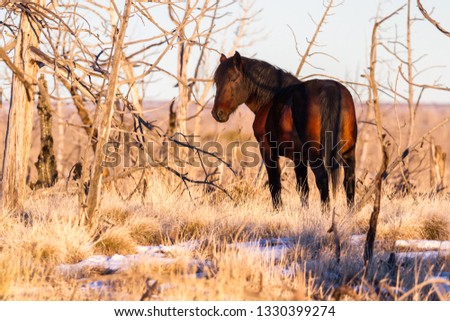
pixel 262 94
pixel 254 105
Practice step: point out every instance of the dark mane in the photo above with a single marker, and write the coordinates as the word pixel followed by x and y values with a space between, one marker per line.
pixel 266 81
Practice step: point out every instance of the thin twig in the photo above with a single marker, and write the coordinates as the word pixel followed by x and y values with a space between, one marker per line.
pixel 428 17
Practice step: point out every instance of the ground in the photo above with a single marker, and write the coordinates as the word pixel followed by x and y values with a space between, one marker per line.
pixel 205 246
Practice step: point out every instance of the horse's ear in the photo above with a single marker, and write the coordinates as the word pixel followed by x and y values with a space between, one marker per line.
pixel 237 61
pixel 223 58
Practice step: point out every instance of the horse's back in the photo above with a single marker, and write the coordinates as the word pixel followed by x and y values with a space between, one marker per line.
pixel 308 99
pixel 317 88
pixel 302 126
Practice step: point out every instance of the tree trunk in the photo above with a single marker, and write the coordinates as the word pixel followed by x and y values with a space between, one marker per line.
pixel 437 167
pixel 184 52
pixel 19 127
pixel 61 132
pixel 406 186
pixel 183 90
pixel 136 99
pixel 411 107
pixel 89 209
pixel 371 233
pixel 46 163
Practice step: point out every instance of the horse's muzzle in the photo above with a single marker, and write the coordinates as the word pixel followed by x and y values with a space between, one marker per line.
pixel 219 116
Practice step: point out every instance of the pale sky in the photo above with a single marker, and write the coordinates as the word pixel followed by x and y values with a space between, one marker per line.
pixel 346 36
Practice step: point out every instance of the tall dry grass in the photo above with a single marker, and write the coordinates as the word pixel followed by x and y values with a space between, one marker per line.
pixel 32 248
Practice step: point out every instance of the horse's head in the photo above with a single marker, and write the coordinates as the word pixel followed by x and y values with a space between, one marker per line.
pixel 230 87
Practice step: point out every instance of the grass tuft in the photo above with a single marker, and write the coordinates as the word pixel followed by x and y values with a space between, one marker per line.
pixel 435 226
pixel 116 214
pixel 145 231
pixel 116 240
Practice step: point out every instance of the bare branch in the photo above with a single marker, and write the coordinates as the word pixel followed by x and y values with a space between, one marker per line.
pixel 400 159
pixel 18 73
pixel 426 86
pixel 313 40
pixel 428 17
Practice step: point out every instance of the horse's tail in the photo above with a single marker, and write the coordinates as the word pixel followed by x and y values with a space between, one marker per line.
pixel 330 109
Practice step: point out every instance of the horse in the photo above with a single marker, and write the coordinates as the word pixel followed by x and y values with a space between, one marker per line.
pixel 312 122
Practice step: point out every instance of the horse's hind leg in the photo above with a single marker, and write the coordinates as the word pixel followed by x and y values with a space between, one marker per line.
pixel 301 174
pixel 349 178
pixel 322 184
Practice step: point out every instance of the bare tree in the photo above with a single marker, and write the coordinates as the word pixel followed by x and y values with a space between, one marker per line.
pixel 184 53
pixel 89 207
pixel 375 104
pixel 402 51
pixel 46 162
pixel 105 77
pixel 18 135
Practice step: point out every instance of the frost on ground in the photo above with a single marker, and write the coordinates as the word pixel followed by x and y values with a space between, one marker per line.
pixel 161 254
pixel 272 250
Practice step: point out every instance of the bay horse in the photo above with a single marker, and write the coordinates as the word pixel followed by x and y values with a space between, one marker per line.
pixel 312 123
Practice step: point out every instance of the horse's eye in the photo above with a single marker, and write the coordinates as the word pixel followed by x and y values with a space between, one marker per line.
pixel 234 77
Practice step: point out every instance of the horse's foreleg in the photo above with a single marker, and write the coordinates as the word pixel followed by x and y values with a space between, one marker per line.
pixel 349 179
pixel 301 173
pixel 273 173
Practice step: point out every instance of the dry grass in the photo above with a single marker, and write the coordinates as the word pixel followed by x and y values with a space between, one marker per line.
pixel 436 226
pixel 34 245
pixel 31 252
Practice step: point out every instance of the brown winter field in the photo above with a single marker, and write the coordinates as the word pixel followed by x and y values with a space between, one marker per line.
pixel 204 232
